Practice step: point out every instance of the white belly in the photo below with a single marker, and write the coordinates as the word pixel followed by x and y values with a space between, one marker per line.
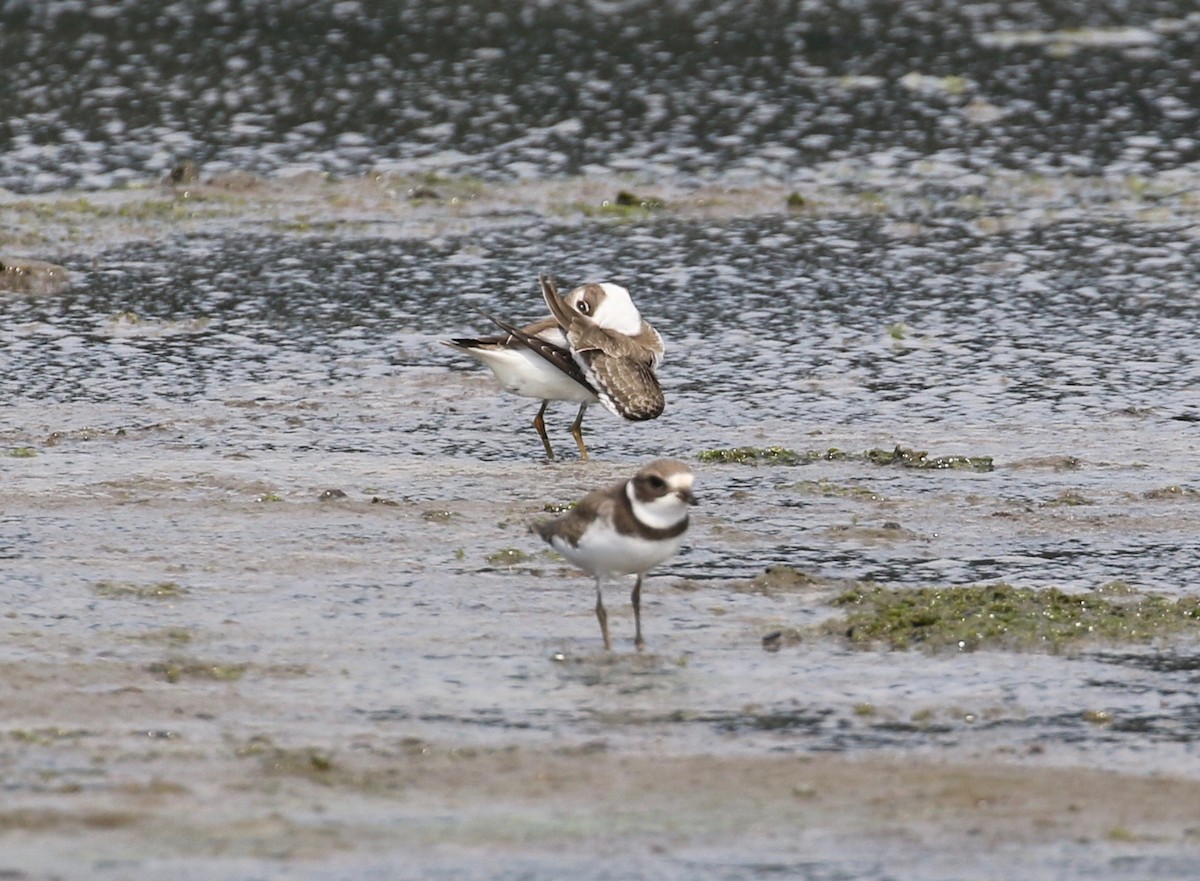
pixel 524 372
pixel 604 552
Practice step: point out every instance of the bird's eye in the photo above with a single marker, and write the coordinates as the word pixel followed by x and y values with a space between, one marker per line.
pixel 584 306
pixel 656 482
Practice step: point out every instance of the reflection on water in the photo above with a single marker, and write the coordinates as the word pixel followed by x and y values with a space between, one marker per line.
pixel 103 94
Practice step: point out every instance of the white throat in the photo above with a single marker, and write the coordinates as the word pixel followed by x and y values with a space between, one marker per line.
pixel 664 512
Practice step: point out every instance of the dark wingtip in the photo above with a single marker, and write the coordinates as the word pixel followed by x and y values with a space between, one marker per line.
pixel 640 414
pixel 644 415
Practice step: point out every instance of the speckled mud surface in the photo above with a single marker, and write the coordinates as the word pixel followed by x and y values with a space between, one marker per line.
pixel 217 664
pixel 268 603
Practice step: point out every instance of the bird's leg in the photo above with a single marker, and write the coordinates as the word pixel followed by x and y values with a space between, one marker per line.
pixel 577 432
pixel 602 617
pixel 540 424
pixel 638 642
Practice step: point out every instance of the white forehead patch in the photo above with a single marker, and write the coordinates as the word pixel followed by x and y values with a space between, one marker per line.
pixel 682 480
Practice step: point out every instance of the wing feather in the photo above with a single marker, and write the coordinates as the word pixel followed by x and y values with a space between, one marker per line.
pixel 625 386
pixel 571 526
pixel 619 368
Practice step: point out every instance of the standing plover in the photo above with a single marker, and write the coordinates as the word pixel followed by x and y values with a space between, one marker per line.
pixel 594 346
pixel 627 529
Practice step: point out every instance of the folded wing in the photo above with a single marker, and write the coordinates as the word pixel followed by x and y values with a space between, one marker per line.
pixel 619 368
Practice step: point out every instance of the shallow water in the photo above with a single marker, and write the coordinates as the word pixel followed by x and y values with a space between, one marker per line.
pixel 201 394
pixel 774 339
pixel 104 94
pixel 189 401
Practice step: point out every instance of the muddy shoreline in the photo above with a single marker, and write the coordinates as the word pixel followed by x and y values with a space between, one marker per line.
pixel 221 674
pixel 212 773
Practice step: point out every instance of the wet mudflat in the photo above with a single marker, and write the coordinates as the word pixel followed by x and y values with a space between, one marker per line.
pixel 271 601
pixel 270 606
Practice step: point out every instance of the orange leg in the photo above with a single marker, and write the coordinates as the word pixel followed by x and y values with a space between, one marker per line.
pixel 540 424
pixel 638 642
pixel 577 432
pixel 602 617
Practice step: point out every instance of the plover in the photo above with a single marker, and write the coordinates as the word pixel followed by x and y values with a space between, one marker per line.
pixel 626 529
pixel 594 346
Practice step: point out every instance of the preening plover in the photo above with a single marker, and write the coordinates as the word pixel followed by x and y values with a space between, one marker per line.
pixel 593 346
pixel 626 529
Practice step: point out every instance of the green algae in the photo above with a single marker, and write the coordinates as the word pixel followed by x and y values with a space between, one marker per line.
pixel 48 736
pixel 1069 499
pixel 1000 616
pixel 177 669
pixel 306 225
pixel 434 187
pixel 1173 491
pixel 508 557
pixel 952 86
pixel 176 636
pixel 56 821
pixel 754 456
pixel 1122 835
pixel 21 452
pixel 626 199
pixel 159 590
pixel 861 532
pixel 1054 463
pixel 312 763
pixel 910 458
pixel 829 489
pixel 627 204
pixel 179 208
pixel 321 766
pixel 904 457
